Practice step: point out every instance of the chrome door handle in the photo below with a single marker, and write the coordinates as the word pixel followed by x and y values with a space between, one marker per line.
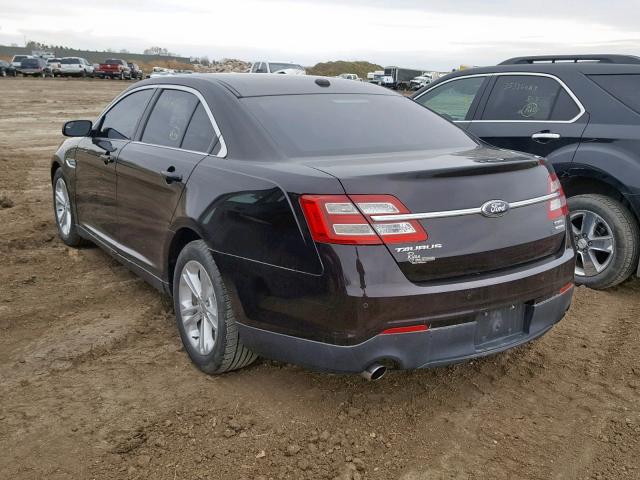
pixel 545 136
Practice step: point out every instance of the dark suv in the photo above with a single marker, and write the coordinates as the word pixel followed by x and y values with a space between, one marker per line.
pixel 583 114
pixel 286 220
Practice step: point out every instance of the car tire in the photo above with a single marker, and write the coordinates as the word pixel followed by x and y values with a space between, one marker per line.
pixel 614 260
pixel 213 346
pixel 83 74
pixel 3 73
pixel 64 212
pixel 122 77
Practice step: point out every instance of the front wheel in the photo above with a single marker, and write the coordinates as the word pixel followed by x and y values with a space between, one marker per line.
pixel 204 315
pixel 607 240
pixel 63 208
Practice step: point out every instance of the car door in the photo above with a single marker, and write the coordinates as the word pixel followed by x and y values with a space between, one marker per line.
pixel 96 158
pixel 456 99
pixel 152 172
pixel 531 112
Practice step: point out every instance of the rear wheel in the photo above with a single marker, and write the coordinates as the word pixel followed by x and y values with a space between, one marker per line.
pixel 607 240
pixel 3 73
pixel 204 315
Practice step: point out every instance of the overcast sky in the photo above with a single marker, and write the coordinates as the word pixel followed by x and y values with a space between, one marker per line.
pixel 422 34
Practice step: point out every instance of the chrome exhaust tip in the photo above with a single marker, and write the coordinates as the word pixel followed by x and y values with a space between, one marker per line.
pixel 374 372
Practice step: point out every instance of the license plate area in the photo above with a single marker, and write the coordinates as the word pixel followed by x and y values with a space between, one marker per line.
pixel 496 326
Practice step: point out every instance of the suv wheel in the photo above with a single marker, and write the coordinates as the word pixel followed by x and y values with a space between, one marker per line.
pixel 63 208
pixel 606 239
pixel 205 319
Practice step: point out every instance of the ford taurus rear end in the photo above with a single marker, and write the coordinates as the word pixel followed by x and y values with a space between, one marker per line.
pixel 432 248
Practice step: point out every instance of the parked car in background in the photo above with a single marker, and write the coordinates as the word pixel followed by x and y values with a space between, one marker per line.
pixel 6 69
pixel 582 113
pixel 287 220
pixel 55 66
pixel 16 61
pixel 161 72
pixel 349 76
pixel 399 78
pixel 420 81
pixel 136 71
pixel 375 77
pixel 285 68
pixel 114 68
pixel 76 67
pixel 35 67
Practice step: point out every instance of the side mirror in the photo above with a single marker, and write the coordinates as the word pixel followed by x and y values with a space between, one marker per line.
pixel 77 128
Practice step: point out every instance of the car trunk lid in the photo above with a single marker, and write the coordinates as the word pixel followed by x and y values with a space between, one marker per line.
pixel 447 191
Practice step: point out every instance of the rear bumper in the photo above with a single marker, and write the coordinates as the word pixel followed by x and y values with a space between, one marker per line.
pixel 436 346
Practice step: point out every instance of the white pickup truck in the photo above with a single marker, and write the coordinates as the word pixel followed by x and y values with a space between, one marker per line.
pixel 283 68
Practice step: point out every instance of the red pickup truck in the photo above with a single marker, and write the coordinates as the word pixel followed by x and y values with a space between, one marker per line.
pixel 114 68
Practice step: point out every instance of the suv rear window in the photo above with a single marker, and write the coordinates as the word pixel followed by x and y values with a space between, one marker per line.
pixel 625 88
pixel 70 61
pixel 529 97
pixel 343 124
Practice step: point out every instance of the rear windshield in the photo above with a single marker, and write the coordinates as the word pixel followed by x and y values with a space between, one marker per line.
pixel 30 62
pixel 19 58
pixel 625 88
pixel 344 124
pixel 113 61
pixel 70 61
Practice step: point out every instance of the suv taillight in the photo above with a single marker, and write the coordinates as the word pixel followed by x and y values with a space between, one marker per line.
pixel 347 220
pixel 557 207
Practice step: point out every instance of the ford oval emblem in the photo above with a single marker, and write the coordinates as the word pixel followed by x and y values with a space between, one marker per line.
pixel 494 208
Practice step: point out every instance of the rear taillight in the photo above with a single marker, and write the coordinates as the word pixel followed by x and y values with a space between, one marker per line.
pixel 557 207
pixel 347 220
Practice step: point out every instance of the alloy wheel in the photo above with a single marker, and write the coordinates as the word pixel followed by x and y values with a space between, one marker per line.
pixel 594 242
pixel 198 307
pixel 63 207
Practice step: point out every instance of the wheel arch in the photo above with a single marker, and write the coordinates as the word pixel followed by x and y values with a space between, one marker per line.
pixel 182 236
pixel 601 184
pixel 55 165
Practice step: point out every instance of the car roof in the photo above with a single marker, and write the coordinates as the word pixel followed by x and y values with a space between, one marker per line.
pixel 257 84
pixel 587 68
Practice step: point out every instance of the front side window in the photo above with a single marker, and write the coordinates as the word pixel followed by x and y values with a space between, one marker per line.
pixel 169 119
pixel 453 99
pixel 624 87
pixel 121 120
pixel 529 97
pixel 200 132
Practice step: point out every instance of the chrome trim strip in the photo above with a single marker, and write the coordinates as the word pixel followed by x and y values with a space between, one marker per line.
pixel 460 213
pixel 223 146
pixel 530 74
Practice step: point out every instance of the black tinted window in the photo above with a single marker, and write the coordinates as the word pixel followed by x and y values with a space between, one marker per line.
pixel 200 132
pixel 326 124
pixel 625 88
pixel 169 119
pixel 528 97
pixel 121 120
pixel 453 99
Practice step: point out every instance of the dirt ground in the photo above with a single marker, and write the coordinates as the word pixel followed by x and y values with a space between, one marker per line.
pixel 94 383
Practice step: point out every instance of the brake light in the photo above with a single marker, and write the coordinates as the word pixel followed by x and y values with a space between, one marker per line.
pixel 347 220
pixel 557 207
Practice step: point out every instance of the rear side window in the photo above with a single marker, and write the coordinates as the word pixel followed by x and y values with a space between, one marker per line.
pixel 625 88
pixel 453 99
pixel 343 124
pixel 529 97
pixel 169 119
pixel 200 132
pixel 121 120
